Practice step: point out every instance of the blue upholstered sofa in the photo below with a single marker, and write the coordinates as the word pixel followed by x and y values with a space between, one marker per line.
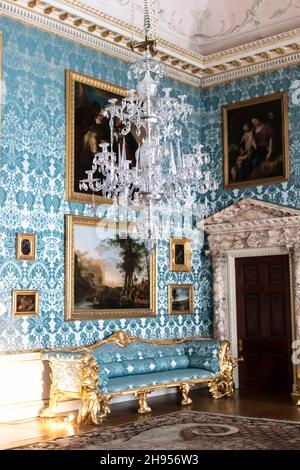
pixel 122 365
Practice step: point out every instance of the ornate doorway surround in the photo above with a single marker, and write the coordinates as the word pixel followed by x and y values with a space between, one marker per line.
pixel 251 228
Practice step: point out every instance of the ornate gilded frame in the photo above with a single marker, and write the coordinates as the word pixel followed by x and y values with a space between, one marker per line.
pixel 32 238
pixel 283 97
pixel 15 294
pixel 70 313
pixel 187 266
pixel 71 78
pixel 190 288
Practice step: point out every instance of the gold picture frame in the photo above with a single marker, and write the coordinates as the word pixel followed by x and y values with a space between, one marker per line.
pixel 86 83
pixel 25 247
pixel 185 305
pixel 255 141
pixel 2 91
pixel 25 303
pixel 79 303
pixel 180 255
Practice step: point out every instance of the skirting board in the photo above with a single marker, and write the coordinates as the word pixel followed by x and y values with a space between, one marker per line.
pixel 25 385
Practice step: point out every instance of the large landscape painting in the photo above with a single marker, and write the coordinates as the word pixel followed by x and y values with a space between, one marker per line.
pixel 110 275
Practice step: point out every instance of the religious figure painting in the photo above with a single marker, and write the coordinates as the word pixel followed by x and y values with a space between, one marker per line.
pixel 109 273
pixel 87 127
pixel 255 141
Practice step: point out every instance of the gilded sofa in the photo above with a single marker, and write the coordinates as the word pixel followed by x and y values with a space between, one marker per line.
pixel 123 364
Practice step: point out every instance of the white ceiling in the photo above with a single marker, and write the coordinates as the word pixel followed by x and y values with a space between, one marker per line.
pixel 207 26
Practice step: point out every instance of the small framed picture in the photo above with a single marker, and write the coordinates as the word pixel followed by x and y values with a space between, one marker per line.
pixel 25 302
pixel 181 299
pixel 26 247
pixel 180 254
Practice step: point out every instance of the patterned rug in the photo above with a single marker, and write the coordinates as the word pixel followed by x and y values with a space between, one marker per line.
pixel 184 430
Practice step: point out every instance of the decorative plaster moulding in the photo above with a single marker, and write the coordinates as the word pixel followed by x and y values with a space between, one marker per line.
pixel 74 21
pixel 250 215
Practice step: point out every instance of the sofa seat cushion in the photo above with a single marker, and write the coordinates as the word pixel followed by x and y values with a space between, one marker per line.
pixel 136 350
pixel 144 366
pixel 203 354
pixel 147 380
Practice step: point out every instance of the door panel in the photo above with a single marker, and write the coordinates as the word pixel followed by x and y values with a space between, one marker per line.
pixel 252 315
pixel 264 322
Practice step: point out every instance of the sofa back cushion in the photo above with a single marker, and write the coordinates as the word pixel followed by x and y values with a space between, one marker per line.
pixel 139 358
pixel 203 354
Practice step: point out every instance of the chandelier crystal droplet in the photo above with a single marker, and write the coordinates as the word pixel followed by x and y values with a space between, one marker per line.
pixel 162 175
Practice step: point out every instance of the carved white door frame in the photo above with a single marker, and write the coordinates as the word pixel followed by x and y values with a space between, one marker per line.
pixel 251 228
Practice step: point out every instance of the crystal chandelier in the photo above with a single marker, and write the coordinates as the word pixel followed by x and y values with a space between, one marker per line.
pixel 163 179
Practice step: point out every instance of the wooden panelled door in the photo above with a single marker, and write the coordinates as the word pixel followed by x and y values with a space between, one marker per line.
pixel 264 323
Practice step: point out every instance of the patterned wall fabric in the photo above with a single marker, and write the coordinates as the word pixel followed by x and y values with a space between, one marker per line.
pixel 32 176
pixel 32 187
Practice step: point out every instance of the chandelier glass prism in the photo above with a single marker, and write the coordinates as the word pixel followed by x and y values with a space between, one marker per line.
pixel 163 176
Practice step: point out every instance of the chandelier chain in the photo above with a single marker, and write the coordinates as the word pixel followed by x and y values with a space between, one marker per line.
pixel 154 8
pixel 147 21
pixel 132 20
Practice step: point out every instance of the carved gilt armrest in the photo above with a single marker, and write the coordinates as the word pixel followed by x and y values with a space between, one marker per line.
pixel 223 385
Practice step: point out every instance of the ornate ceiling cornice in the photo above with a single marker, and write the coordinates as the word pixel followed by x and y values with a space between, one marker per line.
pixel 99 31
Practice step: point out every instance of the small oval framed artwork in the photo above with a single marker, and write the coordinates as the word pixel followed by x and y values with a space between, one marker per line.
pixel 26 247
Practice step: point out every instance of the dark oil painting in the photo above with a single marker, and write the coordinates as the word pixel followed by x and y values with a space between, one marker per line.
pixel 255 141
pixel 179 254
pixel 91 128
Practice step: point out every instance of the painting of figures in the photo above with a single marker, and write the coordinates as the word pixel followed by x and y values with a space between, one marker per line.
pixel 87 125
pixel 255 139
pixel 112 274
pixel 25 302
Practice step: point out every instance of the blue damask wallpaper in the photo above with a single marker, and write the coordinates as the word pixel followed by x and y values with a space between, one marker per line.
pixel 32 186
pixel 32 178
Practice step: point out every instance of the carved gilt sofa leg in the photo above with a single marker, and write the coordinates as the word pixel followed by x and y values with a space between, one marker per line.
pixel 50 410
pixel 222 385
pixel 105 406
pixel 143 405
pixel 185 390
pixel 90 409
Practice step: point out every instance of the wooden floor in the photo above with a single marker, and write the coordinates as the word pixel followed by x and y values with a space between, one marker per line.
pixel 243 404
